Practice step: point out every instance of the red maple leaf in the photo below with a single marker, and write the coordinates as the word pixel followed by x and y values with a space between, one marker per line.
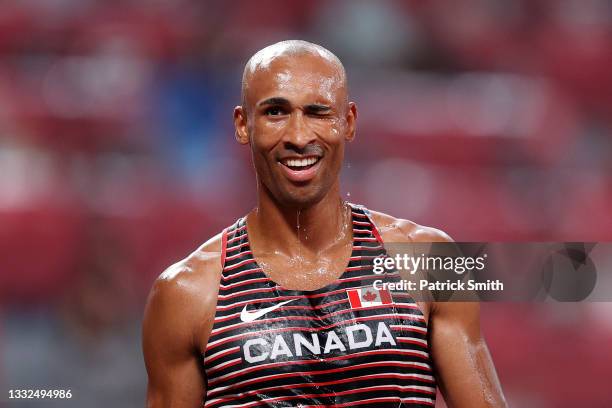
pixel 369 296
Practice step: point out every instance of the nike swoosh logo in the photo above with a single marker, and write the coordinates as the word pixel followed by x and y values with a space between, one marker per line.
pixel 247 316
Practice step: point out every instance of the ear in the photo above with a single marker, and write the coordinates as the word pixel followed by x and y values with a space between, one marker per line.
pixel 240 123
pixel 351 121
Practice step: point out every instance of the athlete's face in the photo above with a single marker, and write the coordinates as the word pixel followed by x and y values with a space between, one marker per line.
pixel 296 118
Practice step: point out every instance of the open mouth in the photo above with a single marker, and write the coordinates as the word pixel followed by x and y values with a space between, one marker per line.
pixel 299 164
pixel 301 169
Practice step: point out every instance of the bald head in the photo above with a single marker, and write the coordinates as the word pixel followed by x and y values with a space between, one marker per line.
pixel 263 61
pixel 295 105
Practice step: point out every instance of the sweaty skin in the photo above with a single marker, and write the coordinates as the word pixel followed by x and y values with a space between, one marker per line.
pixel 295 105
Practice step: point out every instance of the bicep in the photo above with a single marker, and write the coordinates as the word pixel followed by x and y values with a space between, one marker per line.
pixel 175 377
pixel 466 373
pixel 174 384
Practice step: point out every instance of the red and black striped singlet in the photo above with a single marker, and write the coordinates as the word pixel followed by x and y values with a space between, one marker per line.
pixel 342 345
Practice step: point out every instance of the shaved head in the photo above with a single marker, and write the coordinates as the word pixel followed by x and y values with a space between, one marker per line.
pixel 295 107
pixel 263 60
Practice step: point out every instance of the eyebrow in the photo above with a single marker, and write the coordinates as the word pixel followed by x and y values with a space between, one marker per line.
pixel 317 107
pixel 274 101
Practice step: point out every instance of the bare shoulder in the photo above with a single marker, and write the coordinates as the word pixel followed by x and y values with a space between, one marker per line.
pixel 184 296
pixel 194 275
pixel 400 230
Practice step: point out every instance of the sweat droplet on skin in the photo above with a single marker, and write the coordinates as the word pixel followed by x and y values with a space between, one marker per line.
pixel 306 271
pixel 298 234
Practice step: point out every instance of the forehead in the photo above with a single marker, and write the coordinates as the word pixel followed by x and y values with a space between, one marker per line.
pixel 296 78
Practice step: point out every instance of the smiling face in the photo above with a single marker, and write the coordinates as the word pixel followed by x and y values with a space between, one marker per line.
pixel 296 118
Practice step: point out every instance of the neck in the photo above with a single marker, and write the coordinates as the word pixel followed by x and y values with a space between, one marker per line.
pixel 316 227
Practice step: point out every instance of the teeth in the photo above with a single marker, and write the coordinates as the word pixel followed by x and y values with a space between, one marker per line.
pixel 300 162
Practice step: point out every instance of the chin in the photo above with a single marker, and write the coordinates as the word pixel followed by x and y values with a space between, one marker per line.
pixel 301 198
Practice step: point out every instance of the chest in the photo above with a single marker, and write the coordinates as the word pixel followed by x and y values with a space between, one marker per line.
pixel 349 319
pixel 306 270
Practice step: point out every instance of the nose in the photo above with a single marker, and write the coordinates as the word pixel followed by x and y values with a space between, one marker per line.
pixel 297 132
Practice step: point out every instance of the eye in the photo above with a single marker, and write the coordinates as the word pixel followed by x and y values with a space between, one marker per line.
pixel 274 111
pixel 320 114
pixel 318 111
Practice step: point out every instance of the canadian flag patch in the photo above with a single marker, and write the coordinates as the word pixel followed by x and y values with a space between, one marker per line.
pixel 368 297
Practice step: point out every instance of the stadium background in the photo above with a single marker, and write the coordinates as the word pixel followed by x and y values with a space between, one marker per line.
pixel 489 119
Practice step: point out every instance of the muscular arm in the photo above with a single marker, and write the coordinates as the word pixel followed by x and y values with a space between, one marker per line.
pixel 466 374
pixel 178 319
pixel 465 370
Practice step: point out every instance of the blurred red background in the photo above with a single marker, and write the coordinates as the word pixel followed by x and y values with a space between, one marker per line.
pixel 491 120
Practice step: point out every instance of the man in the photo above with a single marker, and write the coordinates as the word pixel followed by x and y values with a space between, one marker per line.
pixel 278 309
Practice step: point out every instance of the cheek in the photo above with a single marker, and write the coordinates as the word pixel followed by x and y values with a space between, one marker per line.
pixel 265 135
pixel 334 130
